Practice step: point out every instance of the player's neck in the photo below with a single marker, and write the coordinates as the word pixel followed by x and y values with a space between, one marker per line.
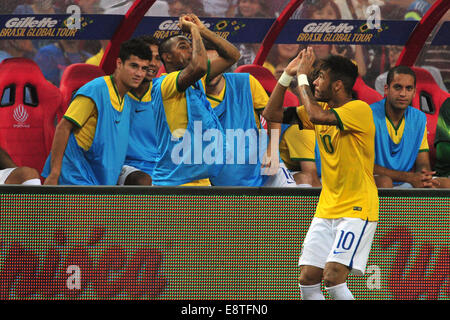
pixel 141 90
pixel 339 101
pixel 216 89
pixel 121 88
pixel 394 114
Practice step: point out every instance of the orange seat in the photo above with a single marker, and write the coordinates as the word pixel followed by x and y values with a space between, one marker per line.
pixel 28 109
pixel 429 98
pixel 73 78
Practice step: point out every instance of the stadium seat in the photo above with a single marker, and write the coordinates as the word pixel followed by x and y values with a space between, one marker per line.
pixel 161 70
pixel 73 78
pixel 365 93
pixel 28 109
pixel 268 81
pixel 429 98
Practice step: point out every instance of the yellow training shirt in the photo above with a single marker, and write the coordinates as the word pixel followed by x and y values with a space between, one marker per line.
pixel 396 133
pixel 297 145
pixel 347 152
pixel 83 113
pixel 175 108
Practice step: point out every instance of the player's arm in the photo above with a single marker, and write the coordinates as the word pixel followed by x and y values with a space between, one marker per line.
pixel 274 110
pixel 62 133
pixel 228 53
pixel 198 65
pixel 316 113
pixel 418 179
pixel 78 113
pixel 395 175
pixel 5 160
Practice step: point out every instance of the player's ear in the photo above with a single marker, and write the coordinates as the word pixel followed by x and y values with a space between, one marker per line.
pixel 119 63
pixel 166 57
pixel 338 85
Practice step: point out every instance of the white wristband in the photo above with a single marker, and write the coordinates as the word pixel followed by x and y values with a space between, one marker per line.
pixel 285 79
pixel 302 80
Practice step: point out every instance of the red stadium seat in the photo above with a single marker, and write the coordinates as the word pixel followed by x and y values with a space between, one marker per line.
pixel 28 109
pixel 365 93
pixel 161 70
pixel 73 78
pixel 429 98
pixel 268 81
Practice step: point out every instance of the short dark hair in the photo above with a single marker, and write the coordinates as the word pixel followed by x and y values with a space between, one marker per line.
pixel 134 47
pixel 400 70
pixel 149 40
pixel 166 45
pixel 341 68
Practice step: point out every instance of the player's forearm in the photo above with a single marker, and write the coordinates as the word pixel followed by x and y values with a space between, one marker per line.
pixel 224 48
pixel 273 111
pixel 59 145
pixel 273 130
pixel 199 61
pixel 5 160
pixel 397 176
pixel 197 66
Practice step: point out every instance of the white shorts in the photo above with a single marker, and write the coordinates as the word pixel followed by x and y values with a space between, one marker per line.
pixel 344 240
pixel 4 174
pixel 282 178
pixel 126 171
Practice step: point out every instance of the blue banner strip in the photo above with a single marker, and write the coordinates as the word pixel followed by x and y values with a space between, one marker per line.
pixel 235 30
pixel 390 32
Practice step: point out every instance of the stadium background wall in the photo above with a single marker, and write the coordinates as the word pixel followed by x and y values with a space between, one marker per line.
pixel 204 243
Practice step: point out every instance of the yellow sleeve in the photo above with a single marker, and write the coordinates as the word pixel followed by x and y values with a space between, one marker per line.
pixel 169 87
pixel 175 105
pixel 354 116
pixel 259 95
pixel 301 143
pixel 80 110
pixel 424 147
pixel 304 118
pixel 96 59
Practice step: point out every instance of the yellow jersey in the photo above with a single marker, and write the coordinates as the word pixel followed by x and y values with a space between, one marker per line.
pixel 83 113
pixel 296 146
pixel 175 108
pixel 347 152
pixel 396 133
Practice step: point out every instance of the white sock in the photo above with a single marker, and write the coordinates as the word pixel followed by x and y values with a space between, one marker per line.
pixel 304 185
pixel 32 182
pixel 313 292
pixel 340 292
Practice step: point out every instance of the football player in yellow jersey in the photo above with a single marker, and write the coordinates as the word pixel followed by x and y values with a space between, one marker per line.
pixel 340 236
pixel 297 150
pixel 142 150
pixel 90 142
pixel 180 103
pixel 401 145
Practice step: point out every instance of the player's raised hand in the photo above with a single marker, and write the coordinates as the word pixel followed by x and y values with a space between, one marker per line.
pixel 306 63
pixel 196 21
pixel 185 23
pixel 291 68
